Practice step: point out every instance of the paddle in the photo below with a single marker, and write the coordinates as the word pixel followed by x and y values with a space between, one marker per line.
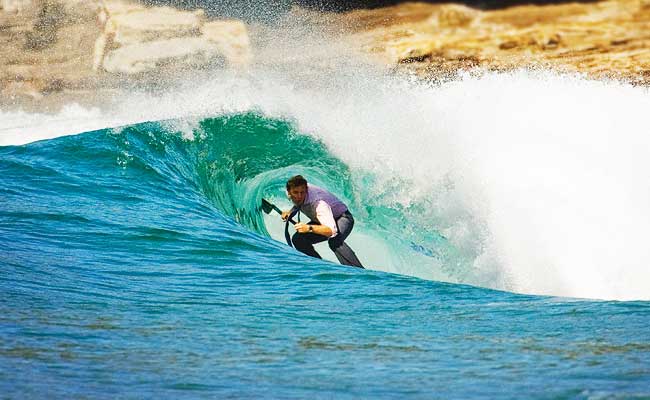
pixel 267 207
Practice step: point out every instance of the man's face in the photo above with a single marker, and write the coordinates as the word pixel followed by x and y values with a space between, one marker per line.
pixel 297 194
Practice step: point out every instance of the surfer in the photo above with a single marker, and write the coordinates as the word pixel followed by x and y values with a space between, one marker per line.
pixel 330 220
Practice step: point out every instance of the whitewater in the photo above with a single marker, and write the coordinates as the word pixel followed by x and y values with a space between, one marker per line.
pixel 538 181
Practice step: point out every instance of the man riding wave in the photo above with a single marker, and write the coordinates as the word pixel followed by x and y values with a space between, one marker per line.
pixel 330 219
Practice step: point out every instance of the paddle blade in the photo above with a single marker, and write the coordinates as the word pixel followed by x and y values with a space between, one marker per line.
pixel 266 206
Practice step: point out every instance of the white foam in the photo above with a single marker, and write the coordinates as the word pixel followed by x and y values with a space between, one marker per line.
pixel 19 127
pixel 186 102
pixel 542 179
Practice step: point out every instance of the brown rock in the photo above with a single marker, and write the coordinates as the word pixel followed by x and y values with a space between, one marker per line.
pixel 54 48
pixel 231 37
pixel 57 48
pixel 131 23
pixel 136 39
pixel 607 38
pixel 45 41
pixel 15 6
pixel 155 55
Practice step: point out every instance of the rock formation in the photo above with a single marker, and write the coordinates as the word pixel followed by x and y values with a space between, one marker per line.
pixel 137 39
pixel 45 47
pixel 15 6
pixel 601 39
pixel 83 46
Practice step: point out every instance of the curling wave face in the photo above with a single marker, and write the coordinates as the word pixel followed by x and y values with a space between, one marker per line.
pixel 146 171
pixel 461 182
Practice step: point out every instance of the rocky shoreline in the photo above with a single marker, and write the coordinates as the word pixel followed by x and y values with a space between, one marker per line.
pixel 54 51
pixel 606 39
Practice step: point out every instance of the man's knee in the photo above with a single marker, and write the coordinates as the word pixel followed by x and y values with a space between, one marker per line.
pixel 298 240
pixel 334 243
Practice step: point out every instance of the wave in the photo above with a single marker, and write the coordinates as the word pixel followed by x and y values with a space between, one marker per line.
pixel 527 182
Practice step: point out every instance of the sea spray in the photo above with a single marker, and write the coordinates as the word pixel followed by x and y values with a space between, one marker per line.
pixel 540 179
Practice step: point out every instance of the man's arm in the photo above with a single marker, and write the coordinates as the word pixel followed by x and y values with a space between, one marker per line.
pixel 317 229
pixel 285 214
pixel 325 218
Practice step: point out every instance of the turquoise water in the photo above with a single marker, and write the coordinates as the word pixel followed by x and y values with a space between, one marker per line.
pixel 136 263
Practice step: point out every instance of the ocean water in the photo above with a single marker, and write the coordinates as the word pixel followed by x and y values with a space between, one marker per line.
pixel 502 218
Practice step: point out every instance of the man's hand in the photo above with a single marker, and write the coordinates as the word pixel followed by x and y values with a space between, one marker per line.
pixel 285 215
pixel 301 227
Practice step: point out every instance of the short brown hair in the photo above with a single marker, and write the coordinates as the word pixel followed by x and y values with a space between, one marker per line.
pixel 296 181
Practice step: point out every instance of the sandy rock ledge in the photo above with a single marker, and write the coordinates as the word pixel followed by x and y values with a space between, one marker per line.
pixel 600 39
pixel 52 51
pixel 50 48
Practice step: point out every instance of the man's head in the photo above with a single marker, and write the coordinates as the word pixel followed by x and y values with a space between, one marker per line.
pixel 297 189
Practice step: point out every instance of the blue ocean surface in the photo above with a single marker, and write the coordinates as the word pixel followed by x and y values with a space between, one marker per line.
pixel 137 263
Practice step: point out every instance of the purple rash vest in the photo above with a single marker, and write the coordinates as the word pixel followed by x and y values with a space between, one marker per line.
pixel 323 207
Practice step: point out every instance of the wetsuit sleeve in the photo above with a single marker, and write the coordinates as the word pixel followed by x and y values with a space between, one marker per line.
pixel 325 217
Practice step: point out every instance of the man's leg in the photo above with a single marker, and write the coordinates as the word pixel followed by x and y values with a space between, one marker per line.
pixel 343 252
pixel 304 243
